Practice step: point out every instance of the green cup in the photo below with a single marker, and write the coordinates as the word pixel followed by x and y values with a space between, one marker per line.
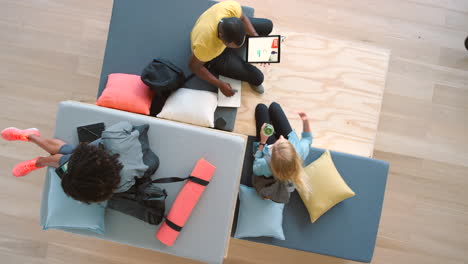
pixel 268 130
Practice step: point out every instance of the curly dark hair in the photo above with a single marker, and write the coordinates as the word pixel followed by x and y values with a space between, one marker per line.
pixel 92 174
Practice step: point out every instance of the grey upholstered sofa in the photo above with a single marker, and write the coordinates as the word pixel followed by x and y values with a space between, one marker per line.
pixel 206 234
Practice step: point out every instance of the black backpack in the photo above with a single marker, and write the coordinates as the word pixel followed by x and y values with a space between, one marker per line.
pixel 144 200
pixel 163 77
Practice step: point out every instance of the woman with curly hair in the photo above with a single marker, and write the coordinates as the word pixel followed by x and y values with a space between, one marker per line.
pixel 92 174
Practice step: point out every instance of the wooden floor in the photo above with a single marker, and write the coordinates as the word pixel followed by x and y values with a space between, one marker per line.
pixel 52 50
pixel 340 84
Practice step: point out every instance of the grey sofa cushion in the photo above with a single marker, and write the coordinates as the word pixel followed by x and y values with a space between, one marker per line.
pixel 179 147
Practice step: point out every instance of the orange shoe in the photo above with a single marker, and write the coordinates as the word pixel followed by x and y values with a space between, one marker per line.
pixel 25 167
pixel 13 133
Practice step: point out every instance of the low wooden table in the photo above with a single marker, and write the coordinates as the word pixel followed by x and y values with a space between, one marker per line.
pixel 339 84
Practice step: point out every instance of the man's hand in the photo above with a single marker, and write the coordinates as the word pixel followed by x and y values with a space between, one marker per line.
pixel 226 89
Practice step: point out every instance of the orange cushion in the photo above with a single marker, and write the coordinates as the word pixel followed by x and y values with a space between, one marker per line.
pixel 126 92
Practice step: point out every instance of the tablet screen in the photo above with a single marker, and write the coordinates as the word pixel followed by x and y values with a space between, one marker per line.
pixel 62 170
pixel 264 49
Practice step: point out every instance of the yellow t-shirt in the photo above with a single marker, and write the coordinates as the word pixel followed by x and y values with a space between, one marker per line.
pixel 204 37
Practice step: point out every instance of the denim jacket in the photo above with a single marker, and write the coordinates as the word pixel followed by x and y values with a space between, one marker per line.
pixel 261 166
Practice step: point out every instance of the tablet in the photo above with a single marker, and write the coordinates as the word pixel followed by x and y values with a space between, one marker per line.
pixel 263 49
pixel 62 170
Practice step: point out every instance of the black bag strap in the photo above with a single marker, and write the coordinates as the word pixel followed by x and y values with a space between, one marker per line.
pixel 177 179
pixel 169 180
pixel 194 179
pixel 189 77
pixel 198 181
pixel 173 226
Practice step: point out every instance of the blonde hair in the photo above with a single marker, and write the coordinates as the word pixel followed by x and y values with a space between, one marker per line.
pixel 286 164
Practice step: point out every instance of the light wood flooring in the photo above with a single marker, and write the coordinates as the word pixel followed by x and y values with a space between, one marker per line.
pixel 340 84
pixel 52 50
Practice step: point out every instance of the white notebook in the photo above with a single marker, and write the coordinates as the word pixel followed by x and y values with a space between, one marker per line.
pixel 233 101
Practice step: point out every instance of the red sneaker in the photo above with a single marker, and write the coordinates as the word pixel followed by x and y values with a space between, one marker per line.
pixel 13 133
pixel 25 167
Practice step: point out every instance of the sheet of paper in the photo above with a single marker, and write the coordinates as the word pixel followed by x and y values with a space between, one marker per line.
pixel 233 101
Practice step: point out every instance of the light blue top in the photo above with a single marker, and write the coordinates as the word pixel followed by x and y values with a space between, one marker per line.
pixel 261 164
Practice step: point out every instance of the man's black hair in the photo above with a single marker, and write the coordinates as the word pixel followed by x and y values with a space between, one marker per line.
pixel 233 30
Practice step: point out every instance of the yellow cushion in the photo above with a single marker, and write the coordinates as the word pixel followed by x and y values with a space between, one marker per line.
pixel 325 187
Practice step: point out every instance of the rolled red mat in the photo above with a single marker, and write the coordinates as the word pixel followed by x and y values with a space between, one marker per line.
pixel 185 202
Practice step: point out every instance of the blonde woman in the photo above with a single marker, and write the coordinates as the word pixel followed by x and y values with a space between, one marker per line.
pixel 278 160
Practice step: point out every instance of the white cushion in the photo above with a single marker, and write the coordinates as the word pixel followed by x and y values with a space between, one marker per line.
pixel 191 106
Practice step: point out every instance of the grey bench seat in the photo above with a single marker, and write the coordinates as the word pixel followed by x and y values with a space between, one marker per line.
pixel 206 234
pixel 348 230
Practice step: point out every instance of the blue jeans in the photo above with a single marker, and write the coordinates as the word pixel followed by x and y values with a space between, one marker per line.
pixel 66 150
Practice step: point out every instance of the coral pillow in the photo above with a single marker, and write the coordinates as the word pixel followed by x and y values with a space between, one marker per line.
pixel 126 92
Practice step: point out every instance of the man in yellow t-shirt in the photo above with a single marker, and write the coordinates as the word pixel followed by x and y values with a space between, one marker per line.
pixel 217 33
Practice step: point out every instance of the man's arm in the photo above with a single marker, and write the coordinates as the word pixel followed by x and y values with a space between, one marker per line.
pixel 248 26
pixel 250 30
pixel 197 67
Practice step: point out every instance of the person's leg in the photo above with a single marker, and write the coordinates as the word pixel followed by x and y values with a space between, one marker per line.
pixel 25 167
pixel 231 65
pixel 261 117
pixel 263 26
pixel 279 120
pixel 15 134
pixel 216 65
pixel 51 145
pixel 52 161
